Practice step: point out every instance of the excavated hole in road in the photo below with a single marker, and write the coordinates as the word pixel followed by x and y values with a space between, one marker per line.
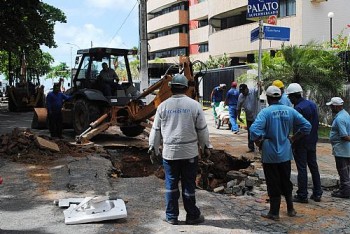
pixel 135 162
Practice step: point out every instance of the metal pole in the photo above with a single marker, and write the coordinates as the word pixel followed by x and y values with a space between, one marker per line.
pixel 331 31
pixel 143 45
pixel 261 36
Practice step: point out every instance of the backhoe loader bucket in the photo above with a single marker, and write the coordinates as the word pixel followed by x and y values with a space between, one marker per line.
pixel 39 118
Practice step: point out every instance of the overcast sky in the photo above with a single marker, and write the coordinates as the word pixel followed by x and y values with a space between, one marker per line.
pixel 105 23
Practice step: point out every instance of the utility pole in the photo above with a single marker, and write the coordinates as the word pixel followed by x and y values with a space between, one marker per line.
pixel 143 44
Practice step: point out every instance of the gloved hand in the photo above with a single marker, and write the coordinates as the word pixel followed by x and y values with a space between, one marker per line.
pixel 212 104
pixel 155 158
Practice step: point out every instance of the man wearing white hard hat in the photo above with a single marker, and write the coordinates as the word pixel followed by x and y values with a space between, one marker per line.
pixel 270 132
pixel 304 149
pixel 340 140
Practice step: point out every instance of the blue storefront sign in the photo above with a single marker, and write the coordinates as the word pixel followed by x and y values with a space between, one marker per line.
pixel 260 8
pixel 276 33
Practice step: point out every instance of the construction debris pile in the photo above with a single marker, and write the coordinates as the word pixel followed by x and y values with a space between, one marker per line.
pixel 25 146
pixel 226 174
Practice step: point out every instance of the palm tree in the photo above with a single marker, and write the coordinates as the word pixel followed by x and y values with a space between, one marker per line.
pixel 317 70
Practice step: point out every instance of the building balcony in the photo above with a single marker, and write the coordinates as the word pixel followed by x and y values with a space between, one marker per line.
pixel 235 42
pixel 199 35
pixel 217 7
pixel 169 41
pixel 199 11
pixel 167 21
pixel 156 5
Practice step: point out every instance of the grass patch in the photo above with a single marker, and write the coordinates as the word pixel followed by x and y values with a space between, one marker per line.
pixel 323 131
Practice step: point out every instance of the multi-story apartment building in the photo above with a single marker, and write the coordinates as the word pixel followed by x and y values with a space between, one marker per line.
pixel 200 28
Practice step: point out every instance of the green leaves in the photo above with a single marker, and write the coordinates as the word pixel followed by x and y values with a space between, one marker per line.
pixel 27 24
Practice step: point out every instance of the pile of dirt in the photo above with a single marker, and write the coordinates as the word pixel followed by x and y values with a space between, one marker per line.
pixel 23 146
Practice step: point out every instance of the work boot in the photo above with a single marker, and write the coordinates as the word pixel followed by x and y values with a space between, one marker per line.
pixel 273 214
pixel 290 207
pixel 196 221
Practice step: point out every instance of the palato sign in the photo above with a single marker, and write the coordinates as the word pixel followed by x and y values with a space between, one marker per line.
pixel 260 8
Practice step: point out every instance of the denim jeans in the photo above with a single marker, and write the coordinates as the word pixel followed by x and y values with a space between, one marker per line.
pixel 343 168
pixel 305 156
pixel 184 170
pixel 233 118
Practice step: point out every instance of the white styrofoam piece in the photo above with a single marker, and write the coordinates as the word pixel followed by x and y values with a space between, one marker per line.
pixel 91 211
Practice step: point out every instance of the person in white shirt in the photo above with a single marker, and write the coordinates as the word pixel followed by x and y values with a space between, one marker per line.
pixel 180 123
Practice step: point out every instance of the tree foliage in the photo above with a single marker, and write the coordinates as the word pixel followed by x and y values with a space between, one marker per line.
pixel 318 71
pixel 27 24
pixel 34 59
pixel 59 71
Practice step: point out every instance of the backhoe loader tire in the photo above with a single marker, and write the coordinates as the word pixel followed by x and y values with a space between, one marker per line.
pixel 84 112
pixel 132 131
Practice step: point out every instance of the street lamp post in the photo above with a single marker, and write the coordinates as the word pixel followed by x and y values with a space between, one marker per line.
pixel 330 16
pixel 71 55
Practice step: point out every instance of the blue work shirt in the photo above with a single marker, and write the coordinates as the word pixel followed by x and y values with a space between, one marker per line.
pixel 54 101
pixel 340 128
pixel 309 110
pixel 217 94
pixel 273 124
pixel 285 100
pixel 232 97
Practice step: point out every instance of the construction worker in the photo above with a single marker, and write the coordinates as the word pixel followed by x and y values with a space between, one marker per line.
pixel 231 101
pixel 54 103
pixel 109 79
pixel 284 98
pixel 217 96
pixel 270 132
pixel 304 149
pixel 340 140
pixel 180 124
pixel 248 99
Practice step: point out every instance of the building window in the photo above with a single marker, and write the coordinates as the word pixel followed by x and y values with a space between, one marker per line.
pixel 169 31
pixel 202 23
pixel 180 6
pixel 287 8
pixel 203 48
pixel 169 53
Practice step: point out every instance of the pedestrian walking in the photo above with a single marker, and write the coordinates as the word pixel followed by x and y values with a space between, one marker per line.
pixel 270 131
pixel 217 96
pixel 180 124
pixel 231 101
pixel 304 149
pixel 54 103
pixel 340 140
pixel 284 98
pixel 248 100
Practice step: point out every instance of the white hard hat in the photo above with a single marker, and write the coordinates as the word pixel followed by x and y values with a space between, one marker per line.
pixel 294 88
pixel 273 91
